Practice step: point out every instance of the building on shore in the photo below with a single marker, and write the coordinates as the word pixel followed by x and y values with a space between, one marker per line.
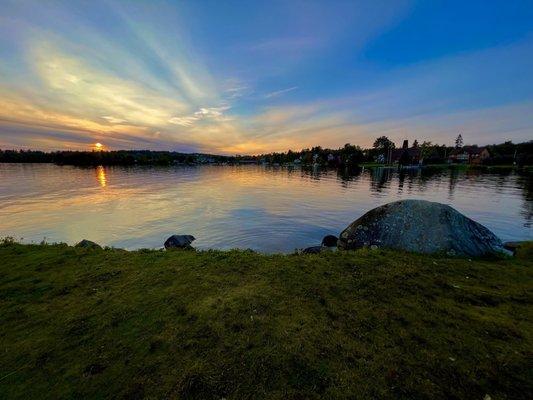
pixel 468 155
pixel 406 155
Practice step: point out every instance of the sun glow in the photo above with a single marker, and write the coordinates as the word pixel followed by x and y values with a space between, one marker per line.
pixel 98 146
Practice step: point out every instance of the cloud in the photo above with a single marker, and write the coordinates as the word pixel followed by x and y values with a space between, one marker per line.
pixel 183 121
pixel 235 92
pixel 280 92
pixel 211 113
pixel 114 120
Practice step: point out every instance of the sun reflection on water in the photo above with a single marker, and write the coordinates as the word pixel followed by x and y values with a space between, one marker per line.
pixel 101 176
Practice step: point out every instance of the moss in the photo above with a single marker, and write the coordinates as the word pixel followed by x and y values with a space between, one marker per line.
pixel 91 323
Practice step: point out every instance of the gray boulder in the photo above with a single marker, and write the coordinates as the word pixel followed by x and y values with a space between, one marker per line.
pixel 420 226
pixel 87 244
pixel 179 242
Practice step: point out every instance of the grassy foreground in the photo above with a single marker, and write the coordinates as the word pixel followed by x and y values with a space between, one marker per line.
pixel 78 323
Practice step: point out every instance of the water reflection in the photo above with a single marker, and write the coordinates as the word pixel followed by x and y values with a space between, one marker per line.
pixel 101 176
pixel 526 183
pixel 264 208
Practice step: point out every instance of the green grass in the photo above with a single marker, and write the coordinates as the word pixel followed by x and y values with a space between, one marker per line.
pixel 109 323
pixel 372 165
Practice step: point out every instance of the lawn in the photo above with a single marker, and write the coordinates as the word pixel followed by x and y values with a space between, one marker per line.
pixel 79 323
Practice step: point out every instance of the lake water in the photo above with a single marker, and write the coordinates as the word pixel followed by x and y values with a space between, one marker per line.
pixel 262 208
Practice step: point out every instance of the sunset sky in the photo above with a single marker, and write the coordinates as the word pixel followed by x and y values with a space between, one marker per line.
pixel 249 77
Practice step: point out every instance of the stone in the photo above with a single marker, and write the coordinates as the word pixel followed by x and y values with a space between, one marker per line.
pixel 420 226
pixel 179 242
pixel 87 244
pixel 330 241
pixel 513 246
pixel 313 250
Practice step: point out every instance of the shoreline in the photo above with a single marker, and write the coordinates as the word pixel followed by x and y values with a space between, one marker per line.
pixel 480 167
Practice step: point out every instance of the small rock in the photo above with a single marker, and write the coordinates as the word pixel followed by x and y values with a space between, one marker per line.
pixel 179 242
pixel 374 247
pixel 512 246
pixel 487 397
pixel 87 244
pixel 312 250
pixel 330 241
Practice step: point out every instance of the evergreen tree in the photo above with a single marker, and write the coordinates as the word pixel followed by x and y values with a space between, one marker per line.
pixel 459 142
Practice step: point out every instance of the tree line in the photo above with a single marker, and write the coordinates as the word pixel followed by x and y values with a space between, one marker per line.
pixel 93 158
pixel 430 153
pixel 348 155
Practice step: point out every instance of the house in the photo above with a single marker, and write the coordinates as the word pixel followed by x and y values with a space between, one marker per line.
pixel 469 155
pixel 406 155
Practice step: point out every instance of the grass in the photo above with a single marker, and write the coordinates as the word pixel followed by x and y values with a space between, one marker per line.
pixel 97 324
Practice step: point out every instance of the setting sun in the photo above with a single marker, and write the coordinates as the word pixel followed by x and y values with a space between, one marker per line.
pixel 98 146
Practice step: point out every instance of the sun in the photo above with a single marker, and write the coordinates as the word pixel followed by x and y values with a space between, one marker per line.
pixel 98 146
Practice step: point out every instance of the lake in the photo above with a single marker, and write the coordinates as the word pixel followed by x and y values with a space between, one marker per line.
pixel 267 209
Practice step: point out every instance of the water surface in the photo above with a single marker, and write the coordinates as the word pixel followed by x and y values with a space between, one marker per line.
pixel 265 209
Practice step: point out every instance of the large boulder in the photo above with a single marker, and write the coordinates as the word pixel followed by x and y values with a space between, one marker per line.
pixel 179 242
pixel 420 226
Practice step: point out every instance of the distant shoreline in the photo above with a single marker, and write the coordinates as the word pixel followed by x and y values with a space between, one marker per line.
pixel 462 167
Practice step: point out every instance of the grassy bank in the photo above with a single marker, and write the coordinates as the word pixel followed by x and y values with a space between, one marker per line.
pixel 82 323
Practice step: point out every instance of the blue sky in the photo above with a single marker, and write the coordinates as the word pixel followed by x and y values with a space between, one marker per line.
pixel 250 77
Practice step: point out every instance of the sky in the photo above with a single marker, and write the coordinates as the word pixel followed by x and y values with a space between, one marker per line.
pixel 250 77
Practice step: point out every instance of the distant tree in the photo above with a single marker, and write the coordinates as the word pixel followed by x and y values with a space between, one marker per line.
pixel 383 143
pixel 426 149
pixel 459 142
pixel 350 154
pixel 415 144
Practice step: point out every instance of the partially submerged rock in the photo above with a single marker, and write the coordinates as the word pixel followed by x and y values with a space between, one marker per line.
pixel 330 241
pixel 420 226
pixel 313 250
pixel 87 244
pixel 179 242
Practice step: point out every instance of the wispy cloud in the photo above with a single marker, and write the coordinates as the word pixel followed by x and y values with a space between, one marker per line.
pixel 211 113
pixel 114 120
pixel 280 92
